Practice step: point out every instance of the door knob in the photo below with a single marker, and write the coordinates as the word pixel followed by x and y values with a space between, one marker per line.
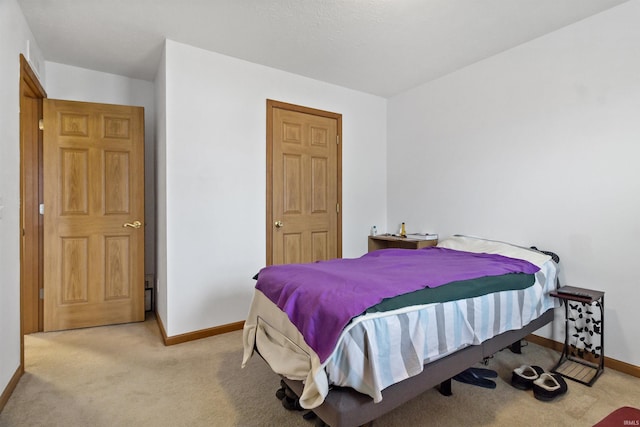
pixel 278 224
pixel 134 224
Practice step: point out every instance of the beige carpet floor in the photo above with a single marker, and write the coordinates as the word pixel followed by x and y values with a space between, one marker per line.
pixel 123 375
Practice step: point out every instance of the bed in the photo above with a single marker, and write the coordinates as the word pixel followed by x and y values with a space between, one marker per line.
pixel 355 338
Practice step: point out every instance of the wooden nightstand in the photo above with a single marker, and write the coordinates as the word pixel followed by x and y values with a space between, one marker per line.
pixel 384 241
pixel 582 358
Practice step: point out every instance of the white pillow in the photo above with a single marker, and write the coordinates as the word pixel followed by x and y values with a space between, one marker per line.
pixel 479 245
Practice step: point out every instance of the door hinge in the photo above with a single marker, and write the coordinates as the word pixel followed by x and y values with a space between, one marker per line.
pixel 338 139
pixel 41 293
pixel 41 124
pixel 337 207
pixel 41 208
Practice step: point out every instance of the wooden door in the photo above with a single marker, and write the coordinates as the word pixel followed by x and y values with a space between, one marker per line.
pixel 304 215
pixel 93 210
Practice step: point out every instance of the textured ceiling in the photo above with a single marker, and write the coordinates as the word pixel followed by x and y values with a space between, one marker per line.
pixel 381 47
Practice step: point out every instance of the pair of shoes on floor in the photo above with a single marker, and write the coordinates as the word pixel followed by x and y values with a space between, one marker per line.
pixel 477 376
pixel 546 386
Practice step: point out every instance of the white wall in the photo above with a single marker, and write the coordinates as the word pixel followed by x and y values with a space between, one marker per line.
pixel 539 146
pixel 161 189
pixel 14 35
pixel 215 178
pixel 80 84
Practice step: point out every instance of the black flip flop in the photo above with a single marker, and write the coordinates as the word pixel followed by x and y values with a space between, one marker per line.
pixel 483 373
pixel 468 377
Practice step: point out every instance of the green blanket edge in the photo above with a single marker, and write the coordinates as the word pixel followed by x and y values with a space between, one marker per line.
pixel 462 289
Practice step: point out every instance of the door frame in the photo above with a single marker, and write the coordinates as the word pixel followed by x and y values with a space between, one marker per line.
pixel 31 306
pixel 271 104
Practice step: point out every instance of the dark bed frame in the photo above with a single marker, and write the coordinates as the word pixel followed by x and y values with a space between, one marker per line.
pixel 345 407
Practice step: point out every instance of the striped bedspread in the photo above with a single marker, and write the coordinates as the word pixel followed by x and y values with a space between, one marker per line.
pixel 379 349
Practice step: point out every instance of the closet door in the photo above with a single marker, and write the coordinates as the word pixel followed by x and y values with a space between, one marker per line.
pixel 305 212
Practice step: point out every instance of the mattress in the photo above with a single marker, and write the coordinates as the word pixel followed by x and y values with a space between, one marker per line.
pixel 378 349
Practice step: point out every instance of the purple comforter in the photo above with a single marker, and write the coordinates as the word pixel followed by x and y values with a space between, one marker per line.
pixel 321 298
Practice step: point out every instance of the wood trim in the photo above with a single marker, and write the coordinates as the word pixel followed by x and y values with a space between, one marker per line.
pixel 614 364
pixel 30 171
pixel 31 78
pixel 196 335
pixel 339 194
pixel 544 342
pixel 300 109
pixel 163 332
pixel 13 382
pixel 621 366
pixel 269 186
pixel 271 104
